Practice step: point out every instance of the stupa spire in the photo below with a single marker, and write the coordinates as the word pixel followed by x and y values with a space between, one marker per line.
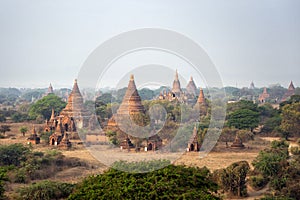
pixel 132 101
pixel 50 89
pixel 52 115
pixel 201 98
pixel 176 85
pixel 191 87
pixel 291 86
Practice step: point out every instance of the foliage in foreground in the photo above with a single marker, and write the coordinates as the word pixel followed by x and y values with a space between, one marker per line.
pixel 171 182
pixel 46 190
pixel 233 178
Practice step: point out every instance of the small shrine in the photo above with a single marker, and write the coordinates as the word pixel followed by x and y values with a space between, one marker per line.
pixel 65 142
pixel 34 138
pixel 154 143
pixel 126 144
pixel 237 143
pixel 193 144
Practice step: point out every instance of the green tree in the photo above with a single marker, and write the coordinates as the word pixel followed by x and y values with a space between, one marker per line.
pixel 46 190
pixel 13 154
pixel 23 130
pixel 4 129
pixel 2 117
pixel 290 124
pixel 171 182
pixel 45 105
pixel 233 178
pixel 269 162
pixel 243 119
pixel 3 178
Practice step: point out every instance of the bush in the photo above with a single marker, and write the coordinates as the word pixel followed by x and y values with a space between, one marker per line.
pixel 258 182
pixel 46 190
pixel 172 182
pixel 295 150
pixel 13 154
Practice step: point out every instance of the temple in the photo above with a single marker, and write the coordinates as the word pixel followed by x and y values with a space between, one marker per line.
pixel 50 89
pixel 131 103
pixel 130 106
pixel 177 94
pixel 72 117
pixel 193 144
pixel 264 96
pixel 252 87
pixel 290 92
pixel 34 138
pixel 191 87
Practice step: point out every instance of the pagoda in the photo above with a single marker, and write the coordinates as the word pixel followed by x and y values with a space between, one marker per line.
pixel 290 92
pixel 191 87
pixel 131 103
pixel 193 144
pixel 265 95
pixel 50 90
pixel 252 87
pixel 34 138
pixel 201 104
pixel 72 117
pixel 176 89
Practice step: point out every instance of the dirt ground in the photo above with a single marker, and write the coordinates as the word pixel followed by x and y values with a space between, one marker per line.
pixel 220 157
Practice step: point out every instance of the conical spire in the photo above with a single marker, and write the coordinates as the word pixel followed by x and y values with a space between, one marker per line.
pixel 201 98
pixel 50 89
pixel 191 87
pixel 33 130
pixel 265 91
pixel 252 86
pixel 176 85
pixel 74 106
pixel 132 101
pixel 290 92
pixel 75 87
pixel 291 86
pixel 52 115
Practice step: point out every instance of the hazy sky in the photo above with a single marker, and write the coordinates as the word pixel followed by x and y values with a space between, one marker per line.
pixel 45 41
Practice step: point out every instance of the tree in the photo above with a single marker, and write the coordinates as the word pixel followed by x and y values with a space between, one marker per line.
pixel 243 119
pixel 4 129
pixel 23 130
pixel 233 178
pixel 2 118
pixel 46 190
pixel 45 105
pixel 269 162
pixel 171 182
pixel 290 124
pixel 3 177
pixel 13 154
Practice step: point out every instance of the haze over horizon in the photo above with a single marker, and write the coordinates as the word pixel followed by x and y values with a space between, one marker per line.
pixel 47 41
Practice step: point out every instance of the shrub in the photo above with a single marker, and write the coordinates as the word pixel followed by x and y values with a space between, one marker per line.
pixel 258 182
pixel 13 154
pixel 172 182
pixel 295 150
pixel 46 190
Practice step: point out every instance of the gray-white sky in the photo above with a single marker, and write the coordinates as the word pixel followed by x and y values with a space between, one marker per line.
pixel 45 41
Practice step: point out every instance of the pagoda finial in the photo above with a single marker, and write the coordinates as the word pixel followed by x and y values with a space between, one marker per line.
pixel 291 86
pixel 33 130
pixel 131 77
pixel 52 114
pixel 191 79
pixel 176 75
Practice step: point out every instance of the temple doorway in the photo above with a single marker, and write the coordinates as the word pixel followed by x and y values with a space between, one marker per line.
pixel 150 146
